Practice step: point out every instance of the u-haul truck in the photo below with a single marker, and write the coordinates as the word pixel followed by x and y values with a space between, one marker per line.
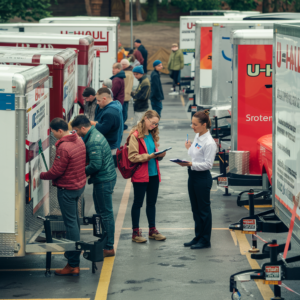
pixel 84 45
pixel 62 66
pixel 252 92
pixel 105 38
pixel 286 124
pixel 24 109
pixel 187 37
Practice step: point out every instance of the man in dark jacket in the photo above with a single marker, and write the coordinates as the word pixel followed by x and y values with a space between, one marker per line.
pixel 68 174
pixel 138 45
pixel 157 94
pixel 118 87
pixel 141 94
pixel 90 103
pixel 101 169
pixel 109 119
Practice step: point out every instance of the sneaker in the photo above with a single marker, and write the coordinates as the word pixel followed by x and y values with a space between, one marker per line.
pixel 68 271
pixel 137 236
pixel 155 235
pixel 173 93
pixel 108 253
pixel 172 89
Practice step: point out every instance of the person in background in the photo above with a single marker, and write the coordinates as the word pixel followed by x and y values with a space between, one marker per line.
pixel 142 145
pixel 138 55
pixel 68 175
pixel 175 65
pixel 102 174
pixel 90 103
pixel 157 94
pixel 109 120
pixel 107 83
pixel 128 81
pixel 141 94
pixel 138 45
pixel 203 152
pixel 118 87
pixel 133 61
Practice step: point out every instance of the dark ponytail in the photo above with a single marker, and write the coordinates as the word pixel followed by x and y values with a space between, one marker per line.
pixel 203 117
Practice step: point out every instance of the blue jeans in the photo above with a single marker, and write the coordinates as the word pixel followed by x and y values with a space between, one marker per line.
pixel 68 202
pixel 102 195
pixel 125 111
pixel 157 106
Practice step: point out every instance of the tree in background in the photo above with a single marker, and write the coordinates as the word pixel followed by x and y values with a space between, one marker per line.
pixel 152 11
pixel 187 5
pixel 127 9
pixel 25 9
pixel 138 10
pixel 242 4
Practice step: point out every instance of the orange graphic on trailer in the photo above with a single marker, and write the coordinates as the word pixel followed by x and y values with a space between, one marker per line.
pixel 254 99
pixel 206 48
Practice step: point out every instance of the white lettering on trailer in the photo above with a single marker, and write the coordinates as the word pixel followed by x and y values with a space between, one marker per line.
pixel 254 72
pixel 259 118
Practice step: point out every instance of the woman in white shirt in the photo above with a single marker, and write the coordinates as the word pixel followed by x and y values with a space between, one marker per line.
pixel 202 151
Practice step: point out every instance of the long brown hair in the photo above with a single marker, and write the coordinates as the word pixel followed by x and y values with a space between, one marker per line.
pixel 140 127
pixel 203 117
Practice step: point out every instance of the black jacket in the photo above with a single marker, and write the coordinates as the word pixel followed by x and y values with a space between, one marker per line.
pixel 156 88
pixel 144 52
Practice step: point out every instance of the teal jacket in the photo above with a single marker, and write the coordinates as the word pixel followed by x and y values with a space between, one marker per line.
pixel 101 167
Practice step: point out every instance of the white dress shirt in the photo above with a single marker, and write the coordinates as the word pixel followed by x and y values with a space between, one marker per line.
pixel 203 152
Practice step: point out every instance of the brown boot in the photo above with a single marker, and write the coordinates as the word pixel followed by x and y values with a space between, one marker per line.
pixel 137 236
pixel 68 271
pixel 108 253
pixel 155 235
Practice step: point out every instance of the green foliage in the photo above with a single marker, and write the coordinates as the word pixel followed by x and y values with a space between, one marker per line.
pixel 188 5
pixel 242 4
pixel 152 11
pixel 24 9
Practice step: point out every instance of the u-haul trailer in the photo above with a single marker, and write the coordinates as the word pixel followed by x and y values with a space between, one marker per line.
pixel 187 37
pixel 83 44
pixel 96 84
pixel 105 39
pixel 252 91
pixel 286 124
pixel 285 176
pixel 220 79
pixel 24 109
pixel 223 12
pixel 62 66
pixel 26 200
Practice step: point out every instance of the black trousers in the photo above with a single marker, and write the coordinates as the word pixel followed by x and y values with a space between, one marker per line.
pixel 199 185
pixel 175 77
pixel 140 189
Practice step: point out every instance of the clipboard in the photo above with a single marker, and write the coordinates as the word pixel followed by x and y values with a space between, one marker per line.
pixel 177 160
pixel 160 152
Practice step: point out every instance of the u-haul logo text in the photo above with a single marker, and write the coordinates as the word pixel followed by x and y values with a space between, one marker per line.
pixel 255 70
pixel 291 58
pixel 97 35
pixel 190 25
pixel 273 273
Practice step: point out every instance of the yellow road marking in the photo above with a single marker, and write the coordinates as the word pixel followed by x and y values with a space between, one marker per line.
pixel 182 100
pixel 264 289
pixel 36 269
pixel 233 237
pixel 259 206
pixel 108 263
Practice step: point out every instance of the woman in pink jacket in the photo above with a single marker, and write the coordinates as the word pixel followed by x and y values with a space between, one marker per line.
pixel 142 145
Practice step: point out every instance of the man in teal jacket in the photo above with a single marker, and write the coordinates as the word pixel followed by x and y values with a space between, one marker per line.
pixel 101 169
